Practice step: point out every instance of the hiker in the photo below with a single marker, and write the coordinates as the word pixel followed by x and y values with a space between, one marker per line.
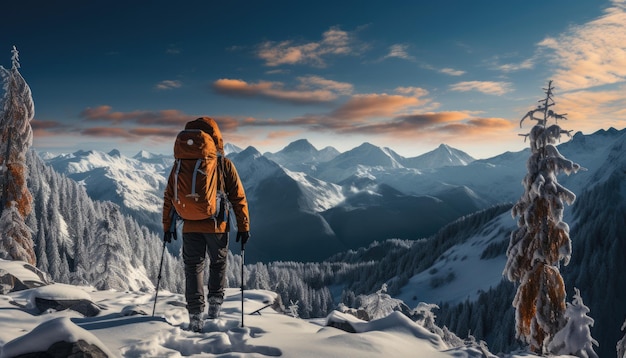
pixel 204 232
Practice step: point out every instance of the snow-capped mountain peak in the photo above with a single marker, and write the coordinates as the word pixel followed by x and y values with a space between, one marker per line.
pixel 442 156
pixel 143 154
pixel 231 149
pixel 300 145
pixel 302 156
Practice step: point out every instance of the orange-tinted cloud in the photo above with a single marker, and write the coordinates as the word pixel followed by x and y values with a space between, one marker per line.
pixel 407 125
pixel 311 89
pixel 130 133
pixel 590 110
pixel 486 87
pixel 164 117
pixel 375 105
pixel 591 54
pixel 110 132
pixel 478 126
pixel 282 134
pixel 45 128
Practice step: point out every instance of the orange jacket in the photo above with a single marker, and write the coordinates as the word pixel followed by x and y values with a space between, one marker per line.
pixel 232 186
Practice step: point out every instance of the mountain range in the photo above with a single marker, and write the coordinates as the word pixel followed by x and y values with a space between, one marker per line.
pixel 308 204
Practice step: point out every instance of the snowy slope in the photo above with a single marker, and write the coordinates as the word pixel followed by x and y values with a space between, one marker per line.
pixel 462 272
pixel 124 327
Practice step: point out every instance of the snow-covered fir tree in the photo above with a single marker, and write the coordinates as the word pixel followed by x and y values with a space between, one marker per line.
pixel 426 317
pixel 621 345
pixel 541 241
pixel 16 136
pixel 575 338
pixel 379 304
pixel 110 267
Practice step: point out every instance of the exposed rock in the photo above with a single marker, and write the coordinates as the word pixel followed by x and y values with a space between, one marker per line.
pixel 84 307
pixel 79 349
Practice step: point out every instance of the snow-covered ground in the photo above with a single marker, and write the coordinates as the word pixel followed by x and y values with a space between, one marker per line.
pixel 126 328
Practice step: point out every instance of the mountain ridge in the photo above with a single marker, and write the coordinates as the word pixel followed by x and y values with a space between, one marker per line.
pixel 328 189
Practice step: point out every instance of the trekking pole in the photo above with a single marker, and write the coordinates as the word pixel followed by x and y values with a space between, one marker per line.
pixel 242 285
pixel 174 217
pixel 158 279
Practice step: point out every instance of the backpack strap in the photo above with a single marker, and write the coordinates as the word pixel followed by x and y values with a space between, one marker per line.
pixel 220 167
pixel 193 180
pixel 225 206
pixel 176 180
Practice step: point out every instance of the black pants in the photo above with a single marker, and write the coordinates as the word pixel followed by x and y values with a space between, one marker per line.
pixel 195 247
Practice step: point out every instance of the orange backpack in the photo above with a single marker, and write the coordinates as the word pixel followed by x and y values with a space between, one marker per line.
pixel 196 194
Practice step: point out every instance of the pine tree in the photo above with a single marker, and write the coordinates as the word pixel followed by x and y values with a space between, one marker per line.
pixel 110 251
pixel 575 338
pixel 379 304
pixel 15 138
pixel 541 240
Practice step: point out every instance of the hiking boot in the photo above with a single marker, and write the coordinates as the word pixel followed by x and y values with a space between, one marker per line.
pixel 215 305
pixel 196 322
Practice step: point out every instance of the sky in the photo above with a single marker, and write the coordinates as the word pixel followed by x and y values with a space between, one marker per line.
pixel 408 75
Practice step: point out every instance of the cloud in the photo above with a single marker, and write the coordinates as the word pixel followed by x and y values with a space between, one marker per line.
pixel 364 106
pixel 407 125
pixel 478 126
pixel 169 117
pixel 452 72
pixel 150 133
pixel 311 89
pixel 282 134
pixel 359 110
pixel 172 50
pixel 307 82
pixel 590 110
pixel 109 132
pixel 592 54
pixel 45 128
pixel 334 42
pixel 446 70
pixel 399 51
pixel 168 84
pixel 454 123
pixel 486 87
pixel 412 91
pixel 368 114
pixel 513 67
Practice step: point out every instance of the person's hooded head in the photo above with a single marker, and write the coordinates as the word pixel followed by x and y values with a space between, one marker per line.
pixel 209 126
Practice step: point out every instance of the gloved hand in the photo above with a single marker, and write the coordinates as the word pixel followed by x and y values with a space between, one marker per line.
pixel 243 236
pixel 167 237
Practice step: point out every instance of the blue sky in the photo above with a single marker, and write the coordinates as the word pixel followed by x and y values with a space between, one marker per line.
pixel 408 75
